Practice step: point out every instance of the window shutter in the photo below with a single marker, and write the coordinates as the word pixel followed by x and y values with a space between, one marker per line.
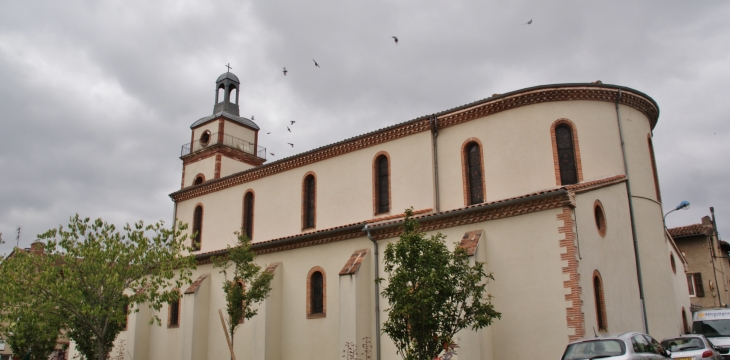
pixel 698 285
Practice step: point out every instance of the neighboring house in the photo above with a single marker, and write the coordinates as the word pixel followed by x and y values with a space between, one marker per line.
pixel 708 266
pixel 532 182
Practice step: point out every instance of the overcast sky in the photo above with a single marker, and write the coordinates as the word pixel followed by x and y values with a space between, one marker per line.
pixel 96 97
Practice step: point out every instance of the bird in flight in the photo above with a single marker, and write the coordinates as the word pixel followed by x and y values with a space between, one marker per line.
pixel 285 71
pixel 315 63
pixel 251 117
pixel 288 129
pixel 268 133
pixel 292 145
pixel 529 22
pixel 396 39
pixel 272 154
pixel 292 122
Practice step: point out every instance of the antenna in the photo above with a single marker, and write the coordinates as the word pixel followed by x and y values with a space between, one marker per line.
pixel 17 238
pixel 594 331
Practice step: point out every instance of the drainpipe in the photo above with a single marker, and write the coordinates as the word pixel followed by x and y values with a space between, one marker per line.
pixel 434 143
pixel 377 295
pixel 633 220
pixel 712 254
pixel 174 217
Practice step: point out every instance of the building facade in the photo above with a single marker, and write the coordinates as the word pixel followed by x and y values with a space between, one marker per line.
pixel 535 183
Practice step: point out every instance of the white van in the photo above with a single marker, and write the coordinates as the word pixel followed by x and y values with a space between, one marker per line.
pixel 715 325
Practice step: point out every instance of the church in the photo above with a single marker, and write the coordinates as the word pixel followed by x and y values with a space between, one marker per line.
pixel 553 187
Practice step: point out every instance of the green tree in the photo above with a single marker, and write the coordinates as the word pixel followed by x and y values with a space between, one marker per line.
pixel 244 284
pixel 27 331
pixel 89 276
pixel 433 293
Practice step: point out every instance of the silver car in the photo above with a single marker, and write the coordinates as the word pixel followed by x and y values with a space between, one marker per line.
pixel 626 346
pixel 691 347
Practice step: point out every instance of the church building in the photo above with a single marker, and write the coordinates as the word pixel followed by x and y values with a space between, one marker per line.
pixel 553 187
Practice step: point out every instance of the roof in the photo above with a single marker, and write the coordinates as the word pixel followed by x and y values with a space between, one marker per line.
pixel 228 75
pixel 689 230
pixel 241 120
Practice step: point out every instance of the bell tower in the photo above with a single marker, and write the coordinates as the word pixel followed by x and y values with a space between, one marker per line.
pixel 223 143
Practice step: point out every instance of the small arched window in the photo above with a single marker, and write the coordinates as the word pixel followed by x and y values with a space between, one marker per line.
pixel 233 95
pixel 221 95
pixel 197 227
pixel 173 313
pixel 382 184
pixel 654 170
pixel 600 217
pixel 474 176
pixel 566 154
pixel 601 317
pixel 205 138
pixel 199 179
pixel 248 201
pixel 309 202
pixel 316 293
pixel 685 324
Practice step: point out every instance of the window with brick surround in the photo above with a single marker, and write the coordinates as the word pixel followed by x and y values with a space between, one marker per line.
pixel 248 202
pixel 473 172
pixel 600 217
pixel 653 168
pixel 316 293
pixel 601 318
pixel 566 154
pixel 197 227
pixel 173 313
pixel 199 179
pixel 309 202
pixel 382 184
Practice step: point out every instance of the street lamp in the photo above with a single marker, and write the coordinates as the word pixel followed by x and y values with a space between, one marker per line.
pixel 684 205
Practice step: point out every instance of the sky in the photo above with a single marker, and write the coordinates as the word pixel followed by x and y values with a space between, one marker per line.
pixel 96 97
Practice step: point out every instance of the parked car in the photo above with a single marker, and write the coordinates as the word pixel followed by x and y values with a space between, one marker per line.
pixel 691 347
pixel 714 324
pixel 626 346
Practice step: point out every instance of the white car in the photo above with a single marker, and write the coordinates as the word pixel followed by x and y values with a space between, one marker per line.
pixel 626 346
pixel 691 347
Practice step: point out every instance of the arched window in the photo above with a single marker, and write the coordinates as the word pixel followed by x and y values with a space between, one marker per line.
pixel 653 168
pixel 685 324
pixel 473 174
pixel 600 217
pixel 601 317
pixel 309 202
pixel 199 179
pixel 248 202
pixel 316 293
pixel 221 95
pixel 197 227
pixel 173 314
pixel 233 95
pixel 566 154
pixel 382 184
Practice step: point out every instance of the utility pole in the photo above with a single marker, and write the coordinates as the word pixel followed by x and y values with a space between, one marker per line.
pixel 17 238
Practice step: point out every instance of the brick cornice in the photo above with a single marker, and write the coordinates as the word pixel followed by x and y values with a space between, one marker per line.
pixel 219 149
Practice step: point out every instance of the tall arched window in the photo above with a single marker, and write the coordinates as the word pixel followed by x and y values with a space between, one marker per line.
pixel 316 293
pixel 566 154
pixel 601 318
pixel 248 202
pixel 653 168
pixel 173 314
pixel 685 324
pixel 382 184
pixel 309 202
pixel 473 174
pixel 197 227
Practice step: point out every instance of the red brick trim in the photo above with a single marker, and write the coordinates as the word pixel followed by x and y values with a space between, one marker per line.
pixel 354 262
pixel 217 174
pixel 309 294
pixel 602 226
pixel 595 184
pixel 304 201
pixel 470 241
pixel 200 175
pixel 574 314
pixel 603 316
pixel 375 184
pixel 202 221
pixel 478 110
pixel 576 149
pixel 220 149
pixel 653 168
pixel 195 285
pixel 253 211
pixel 221 125
pixel 465 170
pixel 182 179
pixel 170 325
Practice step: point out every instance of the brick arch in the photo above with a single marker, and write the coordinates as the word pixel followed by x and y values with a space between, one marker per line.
pixel 465 170
pixel 375 184
pixel 243 212
pixel 304 201
pixel 308 301
pixel 200 175
pixel 200 229
pixel 603 225
pixel 576 149
pixel 600 301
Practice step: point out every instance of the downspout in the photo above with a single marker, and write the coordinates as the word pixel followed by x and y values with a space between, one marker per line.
pixel 377 294
pixel 712 254
pixel 435 148
pixel 633 220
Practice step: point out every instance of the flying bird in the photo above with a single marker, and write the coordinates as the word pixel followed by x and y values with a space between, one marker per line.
pixel 292 145
pixel 288 129
pixel 315 63
pixel 292 122
pixel 285 71
pixel 396 39
pixel 529 22
pixel 272 154
pixel 268 133
pixel 251 117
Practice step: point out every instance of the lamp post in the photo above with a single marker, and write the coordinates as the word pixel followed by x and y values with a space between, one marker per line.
pixel 684 205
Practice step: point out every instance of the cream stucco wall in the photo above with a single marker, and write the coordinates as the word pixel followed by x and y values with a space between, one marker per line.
pixel 238 131
pixel 230 166
pixel 205 166
pixel 211 126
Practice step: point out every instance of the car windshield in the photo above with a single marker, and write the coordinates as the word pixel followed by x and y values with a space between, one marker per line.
pixel 683 344
pixel 594 349
pixel 712 328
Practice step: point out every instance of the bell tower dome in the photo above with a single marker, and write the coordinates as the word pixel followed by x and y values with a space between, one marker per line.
pixel 224 87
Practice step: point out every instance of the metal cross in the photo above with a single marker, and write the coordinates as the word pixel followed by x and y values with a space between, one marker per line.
pixel 229 67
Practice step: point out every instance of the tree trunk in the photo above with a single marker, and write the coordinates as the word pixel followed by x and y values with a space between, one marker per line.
pixel 101 351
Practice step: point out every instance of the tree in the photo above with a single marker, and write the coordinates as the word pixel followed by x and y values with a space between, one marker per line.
pixel 248 284
pixel 89 275
pixel 27 331
pixel 433 293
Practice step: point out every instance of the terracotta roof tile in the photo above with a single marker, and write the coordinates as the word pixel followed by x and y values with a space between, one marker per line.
pixel 353 263
pixel 196 284
pixel 470 241
pixel 689 230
